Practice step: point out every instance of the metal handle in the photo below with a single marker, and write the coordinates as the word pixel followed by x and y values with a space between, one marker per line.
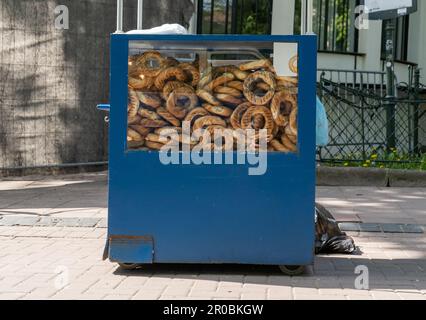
pixel 120 16
pixel 140 15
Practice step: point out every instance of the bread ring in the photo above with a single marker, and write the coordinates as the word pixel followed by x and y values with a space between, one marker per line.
pixel 163 113
pixel 262 86
pixel 170 86
pixel 292 126
pixel 288 144
pixel 278 146
pixel 133 119
pixel 247 119
pixel 135 144
pixel 192 74
pixel 224 134
pixel 154 145
pixel 281 106
pixel 228 99
pixel 236 85
pixel 228 90
pixel 256 65
pixel 207 97
pixel 250 83
pixel 133 105
pixel 153 137
pixel 205 79
pixel 292 138
pixel 288 84
pixel 149 99
pixel 236 116
pixel 223 79
pixel 153 123
pixel 287 81
pixel 239 74
pixel 292 64
pixel 132 69
pixel 170 62
pixel 180 101
pixel 258 122
pixel 196 113
pixel 140 82
pixel 208 121
pixel 218 110
pixel 171 73
pixel 143 131
pixel 150 63
pixel 168 130
pixel 145 113
pixel 134 135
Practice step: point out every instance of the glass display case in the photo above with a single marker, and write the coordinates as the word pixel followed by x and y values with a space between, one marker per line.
pixel 212 96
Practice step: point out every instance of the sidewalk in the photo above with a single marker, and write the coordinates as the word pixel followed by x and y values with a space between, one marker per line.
pixel 52 234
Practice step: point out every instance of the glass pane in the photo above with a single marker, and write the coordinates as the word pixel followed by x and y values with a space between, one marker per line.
pixel 238 17
pixel 214 96
pixel 334 24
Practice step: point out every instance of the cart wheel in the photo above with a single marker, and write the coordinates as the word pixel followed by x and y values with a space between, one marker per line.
pixel 128 266
pixel 292 270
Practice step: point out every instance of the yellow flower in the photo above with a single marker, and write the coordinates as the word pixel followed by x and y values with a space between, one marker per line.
pixel 374 156
pixel 365 165
pixel 368 162
pixel 346 164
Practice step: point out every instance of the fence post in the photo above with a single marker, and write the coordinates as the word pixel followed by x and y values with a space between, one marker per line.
pixel 390 87
pixel 364 154
pixel 416 148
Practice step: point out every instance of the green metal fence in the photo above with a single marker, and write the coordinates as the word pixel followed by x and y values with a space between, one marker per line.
pixel 365 127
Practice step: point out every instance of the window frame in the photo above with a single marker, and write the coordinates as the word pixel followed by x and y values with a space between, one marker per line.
pixel 232 10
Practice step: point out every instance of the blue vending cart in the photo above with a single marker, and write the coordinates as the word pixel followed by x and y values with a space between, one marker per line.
pixel 189 211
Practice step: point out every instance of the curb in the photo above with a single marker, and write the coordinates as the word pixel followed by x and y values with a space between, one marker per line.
pixel 370 177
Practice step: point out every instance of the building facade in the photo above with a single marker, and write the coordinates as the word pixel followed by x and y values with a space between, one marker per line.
pixel 340 44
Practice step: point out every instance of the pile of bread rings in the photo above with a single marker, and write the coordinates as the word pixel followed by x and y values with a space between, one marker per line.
pixel 164 92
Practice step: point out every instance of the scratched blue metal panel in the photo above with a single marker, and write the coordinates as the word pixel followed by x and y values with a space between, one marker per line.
pixel 215 213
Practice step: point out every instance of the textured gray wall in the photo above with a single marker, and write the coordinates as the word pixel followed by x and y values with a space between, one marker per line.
pixel 51 80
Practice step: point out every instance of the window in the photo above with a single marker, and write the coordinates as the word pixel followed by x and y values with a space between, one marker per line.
pixel 234 16
pixel 400 39
pixel 334 23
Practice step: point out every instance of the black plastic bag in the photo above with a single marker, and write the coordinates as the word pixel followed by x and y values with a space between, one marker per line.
pixel 328 236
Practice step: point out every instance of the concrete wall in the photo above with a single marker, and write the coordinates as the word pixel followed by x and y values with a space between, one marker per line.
pixel 51 80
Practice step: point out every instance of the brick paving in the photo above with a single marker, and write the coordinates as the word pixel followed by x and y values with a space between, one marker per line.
pixel 59 256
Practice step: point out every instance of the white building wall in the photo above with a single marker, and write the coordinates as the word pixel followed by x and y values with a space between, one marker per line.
pixel 369 42
pixel 283 17
pixel 417 36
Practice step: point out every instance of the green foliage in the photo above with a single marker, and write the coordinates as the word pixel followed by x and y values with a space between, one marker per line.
pixel 390 160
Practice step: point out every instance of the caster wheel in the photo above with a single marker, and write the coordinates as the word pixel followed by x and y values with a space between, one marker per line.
pixel 128 266
pixel 292 270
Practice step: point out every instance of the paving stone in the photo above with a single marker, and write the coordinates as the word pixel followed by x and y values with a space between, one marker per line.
pixel 350 227
pixel 370 227
pixel 68 222
pixel 47 221
pixel 10 221
pixel 410 228
pixel 392 228
pixel 88 222
pixel 102 223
